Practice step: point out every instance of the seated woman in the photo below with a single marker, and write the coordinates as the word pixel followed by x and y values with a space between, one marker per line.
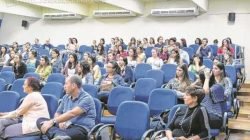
pixel 228 58
pixel 217 76
pixel 4 56
pixel 44 69
pixel 10 62
pixel 132 57
pixel 95 69
pixel 56 62
pixel 32 62
pixel 19 66
pixel 110 80
pixel 164 54
pixel 70 67
pixel 126 71
pixel 33 107
pixel 141 55
pixel 121 52
pixel 180 82
pixel 84 72
pixel 100 55
pixel 174 57
pixel 197 65
pixel 155 61
pixel 191 122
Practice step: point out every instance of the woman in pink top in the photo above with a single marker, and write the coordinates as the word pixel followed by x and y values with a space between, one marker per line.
pixel 33 107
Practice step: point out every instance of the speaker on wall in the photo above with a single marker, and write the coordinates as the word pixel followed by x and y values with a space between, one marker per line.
pixel 25 23
pixel 231 17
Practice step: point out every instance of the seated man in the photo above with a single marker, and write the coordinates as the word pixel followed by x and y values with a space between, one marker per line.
pixel 75 115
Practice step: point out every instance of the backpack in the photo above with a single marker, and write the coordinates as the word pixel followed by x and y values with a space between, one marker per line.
pixel 159 122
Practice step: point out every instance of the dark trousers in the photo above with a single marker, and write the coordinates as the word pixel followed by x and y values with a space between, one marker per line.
pixel 215 121
pixel 73 131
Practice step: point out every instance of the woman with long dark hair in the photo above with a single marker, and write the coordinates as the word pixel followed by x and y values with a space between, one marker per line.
pixel 111 79
pixel 180 82
pixel 71 65
pixel 44 69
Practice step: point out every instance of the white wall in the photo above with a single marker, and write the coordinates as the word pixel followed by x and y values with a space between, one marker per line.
pixel 212 24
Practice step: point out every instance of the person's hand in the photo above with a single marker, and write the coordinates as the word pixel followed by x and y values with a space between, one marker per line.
pixel 46 126
pixel 208 73
pixel 62 125
pixel 181 138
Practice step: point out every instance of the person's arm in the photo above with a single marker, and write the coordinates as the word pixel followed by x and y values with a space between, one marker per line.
pixel 198 50
pixel 207 80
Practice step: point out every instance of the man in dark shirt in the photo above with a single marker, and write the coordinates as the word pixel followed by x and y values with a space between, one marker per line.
pixel 204 50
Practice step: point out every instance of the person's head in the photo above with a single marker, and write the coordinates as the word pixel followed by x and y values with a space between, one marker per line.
pixel 27 45
pixel 92 60
pixel 83 68
pixel 72 85
pixel 201 76
pixel 139 50
pixel 216 41
pixel 18 58
pixel 216 60
pixel 36 41
pixel 75 41
pixel 94 42
pixel 12 53
pixel 160 39
pixel 100 49
pixel 70 41
pixel 73 58
pixel 198 41
pixel 172 41
pixel 47 41
pixel 193 96
pixel 120 49
pixel 122 61
pixel 86 55
pixel 182 72
pixel 44 60
pixel 3 50
pixel 151 40
pixel 164 49
pixel 31 84
pixel 177 45
pixel 15 44
pixel 154 52
pixel 219 70
pixel 132 53
pixel 198 59
pixel 117 39
pixel 225 43
pixel 111 56
pixel 55 53
pixel 145 40
pixel 32 54
pixel 113 68
pixel 204 41
pixel 230 40
pixel 102 41
pixel 132 41
pixel 175 53
pixel 183 42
